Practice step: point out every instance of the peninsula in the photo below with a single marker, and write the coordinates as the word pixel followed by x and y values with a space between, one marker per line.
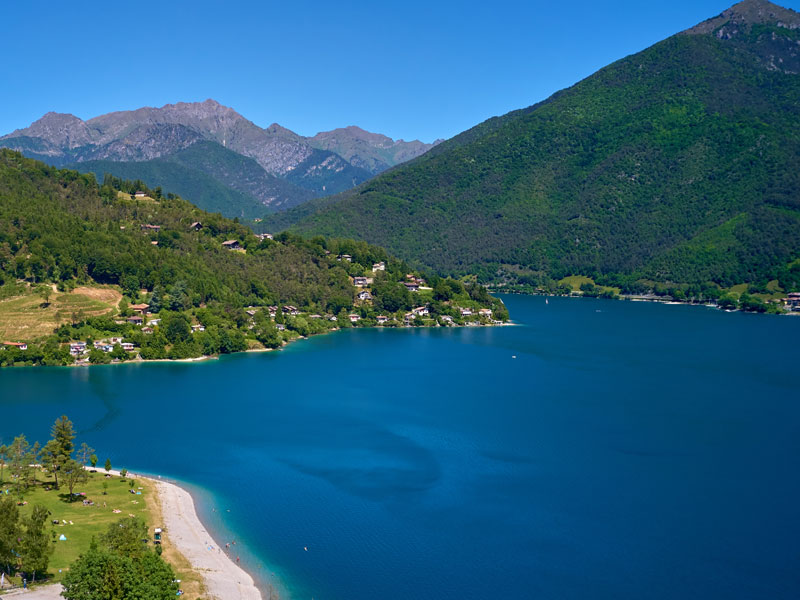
pixel 96 273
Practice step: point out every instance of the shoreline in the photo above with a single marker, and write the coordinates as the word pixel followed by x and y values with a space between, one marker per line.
pixel 204 358
pixel 222 577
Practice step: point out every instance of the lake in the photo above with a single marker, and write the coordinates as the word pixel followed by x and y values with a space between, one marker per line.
pixel 596 449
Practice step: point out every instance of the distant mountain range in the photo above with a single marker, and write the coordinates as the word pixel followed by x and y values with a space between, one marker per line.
pixel 213 155
pixel 677 164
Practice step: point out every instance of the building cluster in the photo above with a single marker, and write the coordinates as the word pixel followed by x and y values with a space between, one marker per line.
pixel 792 301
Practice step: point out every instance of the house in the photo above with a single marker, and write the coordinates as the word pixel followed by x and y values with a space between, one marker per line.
pixel 147 330
pixel 466 312
pixel 379 266
pixel 331 318
pixel 447 319
pixel 231 244
pixel 421 311
pixel 17 345
pixel 196 328
pixel 251 312
pixel 485 312
pixel 793 301
pixel 314 316
pixel 290 310
pixel 140 194
pixel 264 236
pixel 115 340
pixel 365 295
pixel 150 228
pixel 153 322
pixel 360 281
pixel 354 318
pixel 154 243
pixel 280 327
pixel 346 257
pixel 76 348
pixel 127 346
pixel 139 308
pixel 382 319
pixel 136 320
pixel 411 286
pixel 273 310
pixel 408 317
pixel 197 226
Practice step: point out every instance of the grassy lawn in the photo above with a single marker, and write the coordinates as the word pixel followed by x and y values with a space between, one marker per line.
pixel 575 281
pixel 85 522
pixel 25 318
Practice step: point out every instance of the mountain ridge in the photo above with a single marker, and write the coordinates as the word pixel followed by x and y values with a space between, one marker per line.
pixel 676 163
pixel 294 168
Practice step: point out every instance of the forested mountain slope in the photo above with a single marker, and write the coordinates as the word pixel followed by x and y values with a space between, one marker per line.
pixel 215 178
pixel 679 163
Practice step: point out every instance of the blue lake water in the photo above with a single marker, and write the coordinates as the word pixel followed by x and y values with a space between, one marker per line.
pixel 630 450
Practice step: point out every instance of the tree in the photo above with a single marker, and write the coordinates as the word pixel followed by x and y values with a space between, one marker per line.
pixel 85 454
pixel 20 463
pixel 108 464
pixel 74 473
pixel 119 353
pixel 177 328
pixel 35 548
pixel 98 357
pixel 45 291
pixel 51 458
pixel 127 537
pixel 3 455
pixel 9 533
pixel 93 460
pixel 63 434
pixel 123 472
pixel 107 572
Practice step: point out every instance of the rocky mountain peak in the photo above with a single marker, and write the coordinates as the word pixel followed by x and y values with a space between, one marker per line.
pixel 748 13
pixel 62 129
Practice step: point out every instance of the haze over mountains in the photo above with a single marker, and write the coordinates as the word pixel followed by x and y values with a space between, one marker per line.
pixel 242 170
pixel 680 163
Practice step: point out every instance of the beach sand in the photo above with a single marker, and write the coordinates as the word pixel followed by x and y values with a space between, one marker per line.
pixel 224 579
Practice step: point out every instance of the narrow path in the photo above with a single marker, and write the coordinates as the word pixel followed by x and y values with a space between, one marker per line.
pixel 47 592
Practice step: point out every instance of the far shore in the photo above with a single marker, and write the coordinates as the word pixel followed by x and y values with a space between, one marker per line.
pixel 195 359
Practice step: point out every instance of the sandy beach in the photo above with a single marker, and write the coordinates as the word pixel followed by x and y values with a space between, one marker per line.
pixel 224 579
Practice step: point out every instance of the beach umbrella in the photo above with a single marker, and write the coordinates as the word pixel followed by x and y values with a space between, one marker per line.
pixel 63 538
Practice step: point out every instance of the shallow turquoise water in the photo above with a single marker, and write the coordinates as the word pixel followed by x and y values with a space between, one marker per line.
pixel 629 450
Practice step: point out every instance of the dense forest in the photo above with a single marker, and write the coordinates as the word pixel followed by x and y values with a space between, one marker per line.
pixel 677 164
pixel 209 284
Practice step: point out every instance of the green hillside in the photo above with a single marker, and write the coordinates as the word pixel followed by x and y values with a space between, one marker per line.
pixel 206 192
pixel 77 256
pixel 315 174
pixel 680 163
pixel 215 178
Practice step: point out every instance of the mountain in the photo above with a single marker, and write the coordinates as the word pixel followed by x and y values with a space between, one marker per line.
pixel 239 186
pixel 293 169
pixel 677 164
pixel 370 151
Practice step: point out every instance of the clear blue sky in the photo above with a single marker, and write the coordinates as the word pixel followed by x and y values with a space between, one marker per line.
pixel 410 69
